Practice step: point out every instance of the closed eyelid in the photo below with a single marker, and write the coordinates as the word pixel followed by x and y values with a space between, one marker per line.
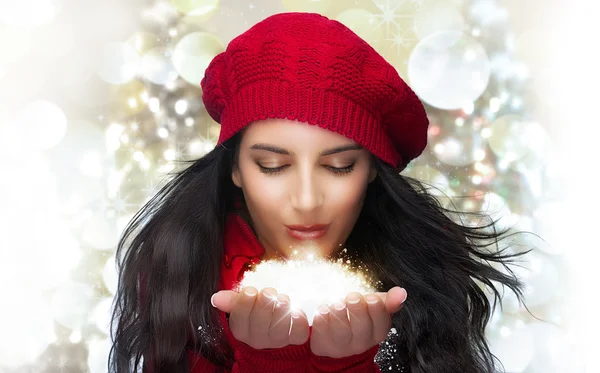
pixel 277 163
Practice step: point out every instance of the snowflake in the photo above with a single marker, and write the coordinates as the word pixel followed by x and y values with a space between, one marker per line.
pixel 135 126
pixel 401 39
pixel 120 205
pixel 394 10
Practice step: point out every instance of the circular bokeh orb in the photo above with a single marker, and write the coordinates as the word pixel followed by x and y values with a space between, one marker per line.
pixel 203 9
pixel 449 70
pixel 100 232
pixel 436 16
pixel 552 344
pixel 71 304
pixel 514 346
pixel 432 176
pixel 157 67
pixel 43 123
pixel 143 41
pixel 512 137
pixel 102 315
pixel 458 145
pixel 129 98
pixel 364 24
pixel 549 223
pixel 315 6
pixel 118 63
pixel 98 354
pixel 541 277
pixel 193 53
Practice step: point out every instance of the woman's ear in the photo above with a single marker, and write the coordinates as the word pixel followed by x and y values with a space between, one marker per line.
pixel 235 176
pixel 372 174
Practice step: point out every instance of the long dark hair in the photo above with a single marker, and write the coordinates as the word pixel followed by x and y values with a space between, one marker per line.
pixel 169 259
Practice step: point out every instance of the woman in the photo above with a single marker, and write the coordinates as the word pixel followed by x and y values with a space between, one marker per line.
pixel 315 128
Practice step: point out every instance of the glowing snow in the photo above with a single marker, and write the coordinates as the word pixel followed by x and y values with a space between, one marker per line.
pixel 309 283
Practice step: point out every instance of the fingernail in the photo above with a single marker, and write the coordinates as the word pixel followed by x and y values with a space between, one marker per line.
pixel 324 310
pixel 372 299
pixel 250 292
pixel 282 301
pixel 339 306
pixel 405 293
pixel 271 294
pixel 212 300
pixel 295 314
pixel 353 299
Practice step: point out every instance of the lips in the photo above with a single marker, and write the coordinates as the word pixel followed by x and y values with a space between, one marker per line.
pixel 307 232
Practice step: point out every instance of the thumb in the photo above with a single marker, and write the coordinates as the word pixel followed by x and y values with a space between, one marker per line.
pixel 224 300
pixel 393 299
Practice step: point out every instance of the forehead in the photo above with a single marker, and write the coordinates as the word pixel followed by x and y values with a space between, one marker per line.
pixel 293 133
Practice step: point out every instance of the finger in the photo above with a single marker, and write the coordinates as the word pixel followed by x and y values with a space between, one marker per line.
pixel 239 317
pixel 260 318
pixel 321 320
pixel 341 332
pixel 300 331
pixel 382 295
pixel 224 300
pixel 360 320
pixel 395 299
pixel 279 332
pixel 320 342
pixel 382 321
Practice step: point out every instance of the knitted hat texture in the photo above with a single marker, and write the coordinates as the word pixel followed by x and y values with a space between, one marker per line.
pixel 306 67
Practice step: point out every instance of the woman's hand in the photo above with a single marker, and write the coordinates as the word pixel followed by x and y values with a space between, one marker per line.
pixel 262 320
pixel 352 328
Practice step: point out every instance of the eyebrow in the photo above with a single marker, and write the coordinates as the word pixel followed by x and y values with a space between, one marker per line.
pixel 278 150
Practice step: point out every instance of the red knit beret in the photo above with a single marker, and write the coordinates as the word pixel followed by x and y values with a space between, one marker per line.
pixel 306 67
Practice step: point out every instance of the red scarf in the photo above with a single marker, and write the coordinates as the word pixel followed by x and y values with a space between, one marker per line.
pixel 241 249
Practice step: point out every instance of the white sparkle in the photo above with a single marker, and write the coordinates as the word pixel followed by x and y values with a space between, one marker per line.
pixel 302 281
pixel 400 40
pixel 390 15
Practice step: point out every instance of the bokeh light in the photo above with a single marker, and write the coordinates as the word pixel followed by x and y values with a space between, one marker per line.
pixel 43 123
pixel 449 69
pixel 193 53
pixel 101 100
pixel 118 63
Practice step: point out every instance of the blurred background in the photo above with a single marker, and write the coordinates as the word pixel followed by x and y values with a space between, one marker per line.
pixel 100 99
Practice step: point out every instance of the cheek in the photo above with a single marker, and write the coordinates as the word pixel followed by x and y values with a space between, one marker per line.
pixel 347 195
pixel 264 195
pixel 344 206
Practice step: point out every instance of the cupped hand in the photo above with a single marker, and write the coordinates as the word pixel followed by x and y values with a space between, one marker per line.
pixel 262 319
pixel 355 325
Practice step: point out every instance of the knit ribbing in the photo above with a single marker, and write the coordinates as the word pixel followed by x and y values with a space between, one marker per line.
pixel 326 109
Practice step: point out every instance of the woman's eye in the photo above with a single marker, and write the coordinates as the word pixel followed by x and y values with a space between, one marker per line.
pixel 335 170
pixel 341 170
pixel 271 170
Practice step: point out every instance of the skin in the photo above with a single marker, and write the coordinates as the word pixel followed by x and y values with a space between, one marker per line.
pixel 292 173
pixel 261 321
pixel 307 188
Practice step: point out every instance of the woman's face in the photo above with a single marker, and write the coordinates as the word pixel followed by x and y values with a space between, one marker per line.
pixel 304 186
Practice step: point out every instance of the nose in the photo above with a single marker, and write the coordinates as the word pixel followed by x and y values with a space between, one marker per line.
pixel 307 195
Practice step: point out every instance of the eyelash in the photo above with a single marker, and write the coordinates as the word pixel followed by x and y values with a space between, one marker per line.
pixel 335 170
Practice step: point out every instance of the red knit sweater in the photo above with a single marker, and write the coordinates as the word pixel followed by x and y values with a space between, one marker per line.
pixel 242 248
